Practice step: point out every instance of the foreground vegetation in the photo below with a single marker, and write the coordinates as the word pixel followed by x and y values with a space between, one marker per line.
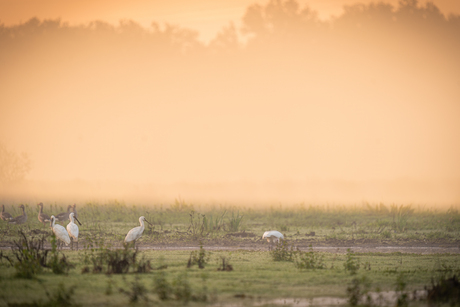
pixel 254 277
pixel 103 272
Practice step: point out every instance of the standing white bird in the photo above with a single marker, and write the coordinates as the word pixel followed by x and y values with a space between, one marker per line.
pixel 273 236
pixel 59 231
pixel 136 232
pixel 72 229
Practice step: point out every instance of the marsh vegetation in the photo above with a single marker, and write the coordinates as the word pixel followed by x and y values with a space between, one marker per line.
pixel 214 254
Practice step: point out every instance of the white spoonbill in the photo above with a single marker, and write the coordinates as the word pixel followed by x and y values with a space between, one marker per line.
pixel 59 231
pixel 72 229
pixel 136 232
pixel 273 236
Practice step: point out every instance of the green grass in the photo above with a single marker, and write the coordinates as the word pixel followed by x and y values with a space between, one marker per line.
pixel 255 275
pixel 359 223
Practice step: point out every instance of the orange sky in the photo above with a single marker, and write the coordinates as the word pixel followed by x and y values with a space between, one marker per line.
pixel 205 16
pixel 345 123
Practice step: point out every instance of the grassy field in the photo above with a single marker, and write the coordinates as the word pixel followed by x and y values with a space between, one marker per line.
pixel 182 222
pixel 255 276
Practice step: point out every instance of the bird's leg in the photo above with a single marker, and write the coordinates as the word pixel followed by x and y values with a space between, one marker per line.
pixel 77 245
pixel 71 243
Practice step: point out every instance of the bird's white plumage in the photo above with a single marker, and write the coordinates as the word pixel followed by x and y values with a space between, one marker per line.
pixel 72 228
pixel 136 232
pixel 60 231
pixel 273 236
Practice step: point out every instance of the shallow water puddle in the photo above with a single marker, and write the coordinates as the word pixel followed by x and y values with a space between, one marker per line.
pixel 387 298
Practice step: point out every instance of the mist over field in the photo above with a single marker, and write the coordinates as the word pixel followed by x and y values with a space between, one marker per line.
pixel 286 108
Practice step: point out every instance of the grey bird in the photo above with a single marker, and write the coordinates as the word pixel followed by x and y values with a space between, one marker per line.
pixel 21 219
pixel 74 209
pixel 64 216
pixel 42 217
pixel 5 215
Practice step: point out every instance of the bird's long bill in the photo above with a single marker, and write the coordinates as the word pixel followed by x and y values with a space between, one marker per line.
pixel 77 220
pixel 147 221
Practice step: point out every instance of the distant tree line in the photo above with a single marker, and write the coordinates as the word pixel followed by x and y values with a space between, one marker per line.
pixel 272 25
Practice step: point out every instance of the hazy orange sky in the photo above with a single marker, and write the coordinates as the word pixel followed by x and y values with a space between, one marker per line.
pixel 369 117
pixel 205 16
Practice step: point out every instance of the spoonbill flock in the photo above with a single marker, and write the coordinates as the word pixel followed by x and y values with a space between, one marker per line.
pixel 60 232
pixel 70 233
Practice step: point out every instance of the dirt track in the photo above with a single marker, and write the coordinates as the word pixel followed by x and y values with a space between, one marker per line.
pixel 369 248
pixel 249 241
pixel 329 249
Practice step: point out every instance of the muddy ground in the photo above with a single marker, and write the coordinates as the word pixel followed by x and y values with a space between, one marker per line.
pixel 250 241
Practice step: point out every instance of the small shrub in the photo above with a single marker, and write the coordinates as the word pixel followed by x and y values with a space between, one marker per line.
pixel 58 265
pixel 203 296
pixel 161 286
pixel 120 260
pixel 199 257
pixel 400 216
pixel 352 263
pixel 444 291
pixel 109 289
pixel 283 251
pixel 197 226
pixel 183 291
pixel 61 297
pixel 283 227
pixel 403 297
pixel 226 266
pixel 117 261
pixel 386 234
pixel 309 260
pixel 212 225
pixel 358 290
pixel 234 223
pixel 135 291
pixel 143 266
pixel 181 288
pixel 30 256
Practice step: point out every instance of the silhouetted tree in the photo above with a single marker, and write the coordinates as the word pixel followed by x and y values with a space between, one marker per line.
pixel 226 41
pixel 278 17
